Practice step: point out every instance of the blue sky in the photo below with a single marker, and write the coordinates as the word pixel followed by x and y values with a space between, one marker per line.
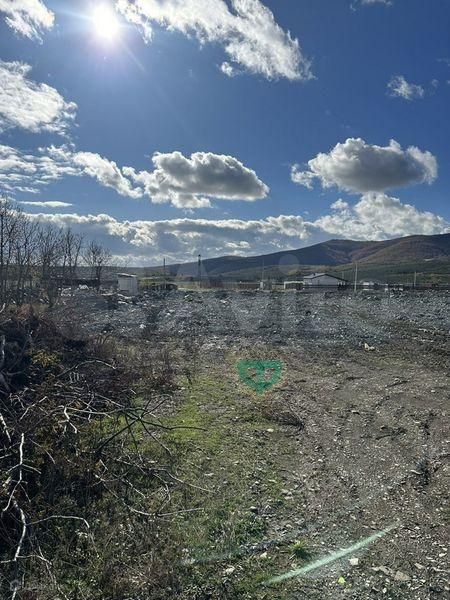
pixel 272 121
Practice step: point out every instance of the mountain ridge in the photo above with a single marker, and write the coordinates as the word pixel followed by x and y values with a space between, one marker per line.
pixel 332 253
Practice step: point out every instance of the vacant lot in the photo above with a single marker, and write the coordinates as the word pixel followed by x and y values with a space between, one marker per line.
pixel 353 440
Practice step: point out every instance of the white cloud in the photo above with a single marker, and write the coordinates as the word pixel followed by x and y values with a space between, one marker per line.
pixel 21 172
pixel 27 17
pixel 248 32
pixel 182 239
pixel 371 2
pixel 106 172
pixel 339 205
pixel 45 204
pixel 400 88
pixel 189 182
pixel 356 166
pixel 185 182
pixel 373 217
pixel 377 216
pixel 228 69
pixel 304 178
pixel 29 105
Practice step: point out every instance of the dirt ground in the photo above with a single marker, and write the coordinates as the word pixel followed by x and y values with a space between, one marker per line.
pixel 353 441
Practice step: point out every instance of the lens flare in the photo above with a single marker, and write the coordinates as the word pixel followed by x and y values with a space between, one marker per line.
pixel 326 560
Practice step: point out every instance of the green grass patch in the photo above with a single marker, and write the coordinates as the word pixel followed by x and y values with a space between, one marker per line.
pixel 231 486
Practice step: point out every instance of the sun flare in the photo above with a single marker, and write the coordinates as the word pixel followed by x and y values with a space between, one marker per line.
pixel 105 22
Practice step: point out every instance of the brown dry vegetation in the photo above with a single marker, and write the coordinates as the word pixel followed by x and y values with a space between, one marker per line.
pixel 75 478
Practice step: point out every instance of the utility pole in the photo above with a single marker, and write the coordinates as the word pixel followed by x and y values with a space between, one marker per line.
pixel 164 273
pixel 356 276
pixel 261 287
pixel 199 270
pixel 415 279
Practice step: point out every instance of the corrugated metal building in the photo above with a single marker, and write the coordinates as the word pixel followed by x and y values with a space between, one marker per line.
pixel 323 280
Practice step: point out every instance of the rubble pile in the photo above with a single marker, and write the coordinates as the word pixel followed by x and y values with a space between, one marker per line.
pixel 276 317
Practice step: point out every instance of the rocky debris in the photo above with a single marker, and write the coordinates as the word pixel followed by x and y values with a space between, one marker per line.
pixel 366 320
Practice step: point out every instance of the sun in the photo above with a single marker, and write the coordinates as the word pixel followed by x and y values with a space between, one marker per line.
pixel 105 22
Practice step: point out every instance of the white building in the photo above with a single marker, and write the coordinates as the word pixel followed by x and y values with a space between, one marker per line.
pixel 323 280
pixel 127 284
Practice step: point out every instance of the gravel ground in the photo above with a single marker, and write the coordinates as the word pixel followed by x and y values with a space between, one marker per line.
pixel 367 374
pixel 277 318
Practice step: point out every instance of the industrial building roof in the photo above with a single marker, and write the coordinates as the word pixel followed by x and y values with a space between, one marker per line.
pixel 314 275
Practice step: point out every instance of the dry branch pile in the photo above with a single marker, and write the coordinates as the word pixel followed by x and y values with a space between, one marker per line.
pixel 71 430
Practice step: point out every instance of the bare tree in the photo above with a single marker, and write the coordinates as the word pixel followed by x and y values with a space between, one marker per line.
pixel 9 225
pixel 96 257
pixel 50 250
pixel 72 244
pixel 18 238
pixel 26 243
pixel 31 253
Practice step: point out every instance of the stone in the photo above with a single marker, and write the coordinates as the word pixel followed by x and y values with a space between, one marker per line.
pixel 399 576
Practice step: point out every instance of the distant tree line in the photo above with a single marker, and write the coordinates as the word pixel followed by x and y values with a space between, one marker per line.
pixel 40 259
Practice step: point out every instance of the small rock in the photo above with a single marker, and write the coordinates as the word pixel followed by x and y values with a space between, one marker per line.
pixel 399 576
pixel 385 570
pixel 354 561
pixel 229 570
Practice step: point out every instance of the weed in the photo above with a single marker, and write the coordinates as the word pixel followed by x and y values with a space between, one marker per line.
pixel 300 550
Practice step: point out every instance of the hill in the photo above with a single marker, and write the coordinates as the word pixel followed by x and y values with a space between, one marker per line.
pixel 333 253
